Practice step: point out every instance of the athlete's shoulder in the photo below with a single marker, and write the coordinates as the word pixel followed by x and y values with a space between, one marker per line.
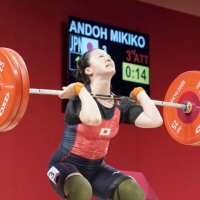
pixel 75 98
pixel 73 104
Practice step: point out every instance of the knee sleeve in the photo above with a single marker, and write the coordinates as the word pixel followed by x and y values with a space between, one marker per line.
pixel 77 187
pixel 129 190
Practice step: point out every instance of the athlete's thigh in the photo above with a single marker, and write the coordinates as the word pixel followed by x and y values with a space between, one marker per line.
pixel 103 180
pixel 58 173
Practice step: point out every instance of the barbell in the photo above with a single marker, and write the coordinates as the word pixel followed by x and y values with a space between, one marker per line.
pixel 180 107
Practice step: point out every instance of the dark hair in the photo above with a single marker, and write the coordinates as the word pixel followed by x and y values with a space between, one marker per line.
pixel 83 63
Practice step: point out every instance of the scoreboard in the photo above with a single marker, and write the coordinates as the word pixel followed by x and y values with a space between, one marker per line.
pixel 128 49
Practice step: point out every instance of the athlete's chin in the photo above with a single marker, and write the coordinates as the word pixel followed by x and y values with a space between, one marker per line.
pixel 111 73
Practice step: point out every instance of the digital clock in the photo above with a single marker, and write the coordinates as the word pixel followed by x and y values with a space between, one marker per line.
pixel 135 73
pixel 128 49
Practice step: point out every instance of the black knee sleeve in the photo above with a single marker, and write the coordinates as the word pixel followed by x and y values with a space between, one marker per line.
pixel 114 186
pixel 77 187
pixel 125 188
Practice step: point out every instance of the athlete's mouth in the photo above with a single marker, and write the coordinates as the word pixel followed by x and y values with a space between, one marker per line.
pixel 109 65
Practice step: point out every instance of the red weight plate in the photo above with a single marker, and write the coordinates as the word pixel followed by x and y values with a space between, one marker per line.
pixel 184 127
pixel 196 144
pixel 10 93
pixel 25 89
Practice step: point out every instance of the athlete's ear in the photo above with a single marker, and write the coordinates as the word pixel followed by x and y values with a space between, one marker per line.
pixel 88 71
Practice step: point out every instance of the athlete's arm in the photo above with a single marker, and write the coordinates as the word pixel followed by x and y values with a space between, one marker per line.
pixel 150 117
pixel 89 113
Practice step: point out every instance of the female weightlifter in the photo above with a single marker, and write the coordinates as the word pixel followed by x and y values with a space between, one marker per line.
pixel 77 170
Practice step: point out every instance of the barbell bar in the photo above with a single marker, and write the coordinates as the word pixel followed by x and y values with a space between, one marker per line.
pixel 156 102
pixel 180 107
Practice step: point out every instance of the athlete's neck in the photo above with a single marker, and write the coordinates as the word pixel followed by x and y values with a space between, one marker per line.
pixel 102 87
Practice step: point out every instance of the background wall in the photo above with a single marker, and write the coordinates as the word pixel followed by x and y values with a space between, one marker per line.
pixel 34 29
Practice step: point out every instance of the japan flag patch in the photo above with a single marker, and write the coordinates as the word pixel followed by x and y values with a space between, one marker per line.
pixel 105 131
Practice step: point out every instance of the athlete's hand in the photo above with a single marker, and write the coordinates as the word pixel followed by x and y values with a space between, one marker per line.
pixel 134 99
pixel 68 92
pixel 134 94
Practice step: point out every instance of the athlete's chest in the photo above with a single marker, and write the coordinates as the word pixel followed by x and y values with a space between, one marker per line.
pixel 106 130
